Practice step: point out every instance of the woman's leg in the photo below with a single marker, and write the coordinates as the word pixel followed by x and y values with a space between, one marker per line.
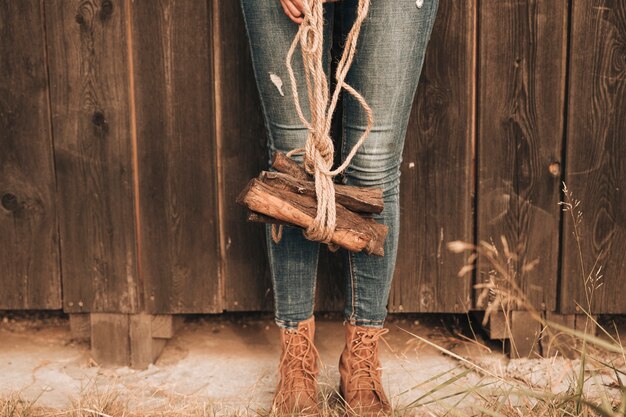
pixel 385 71
pixel 293 261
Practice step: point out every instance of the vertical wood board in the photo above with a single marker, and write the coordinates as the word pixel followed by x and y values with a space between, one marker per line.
pixel 596 156
pixel 521 97
pixel 178 213
pixel 110 342
pixel 241 142
pixel 29 249
pixel 87 49
pixel 437 173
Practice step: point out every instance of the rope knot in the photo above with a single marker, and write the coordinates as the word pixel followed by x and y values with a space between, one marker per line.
pixel 319 148
pixel 319 153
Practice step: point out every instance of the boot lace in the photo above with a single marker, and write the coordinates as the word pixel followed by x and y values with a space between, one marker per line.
pixel 366 373
pixel 299 360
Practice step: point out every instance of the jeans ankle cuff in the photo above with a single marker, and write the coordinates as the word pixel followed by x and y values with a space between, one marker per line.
pixel 364 322
pixel 288 324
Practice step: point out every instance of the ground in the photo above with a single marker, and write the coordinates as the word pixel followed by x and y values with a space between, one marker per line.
pixel 228 364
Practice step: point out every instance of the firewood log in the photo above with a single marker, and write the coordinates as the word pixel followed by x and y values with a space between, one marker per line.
pixel 359 199
pixel 255 217
pixel 352 231
pixel 282 163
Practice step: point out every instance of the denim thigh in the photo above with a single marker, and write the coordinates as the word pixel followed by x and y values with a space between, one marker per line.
pixel 385 71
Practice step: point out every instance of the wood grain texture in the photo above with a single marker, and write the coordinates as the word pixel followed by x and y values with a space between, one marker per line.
pixel 596 152
pixel 282 163
pixel 29 249
pixel 80 326
pixel 242 154
pixel 522 48
pixel 110 340
pixel 87 49
pixel 356 199
pixel 437 177
pixel 524 340
pixel 172 63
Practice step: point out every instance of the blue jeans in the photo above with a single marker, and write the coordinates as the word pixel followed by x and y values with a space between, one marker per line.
pixel 386 70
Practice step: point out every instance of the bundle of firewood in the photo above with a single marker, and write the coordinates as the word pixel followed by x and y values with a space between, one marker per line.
pixel 287 197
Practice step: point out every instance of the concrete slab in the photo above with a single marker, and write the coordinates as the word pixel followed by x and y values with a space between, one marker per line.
pixel 230 365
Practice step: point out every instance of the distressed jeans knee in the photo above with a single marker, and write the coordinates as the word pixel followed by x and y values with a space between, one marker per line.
pixel 380 170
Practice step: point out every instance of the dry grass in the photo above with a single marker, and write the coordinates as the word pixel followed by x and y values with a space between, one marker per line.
pixel 591 386
pixel 588 392
pixel 95 402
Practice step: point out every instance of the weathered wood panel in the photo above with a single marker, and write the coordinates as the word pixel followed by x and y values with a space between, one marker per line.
pixel 87 49
pixel 172 73
pixel 596 151
pixel 242 154
pixel 110 344
pixel 29 252
pixel 437 171
pixel 185 111
pixel 522 49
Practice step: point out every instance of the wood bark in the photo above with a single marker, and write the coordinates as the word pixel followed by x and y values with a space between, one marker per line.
pixel 359 199
pixel 282 163
pixel 255 217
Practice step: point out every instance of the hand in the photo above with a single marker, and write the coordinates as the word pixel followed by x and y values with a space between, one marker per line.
pixel 294 9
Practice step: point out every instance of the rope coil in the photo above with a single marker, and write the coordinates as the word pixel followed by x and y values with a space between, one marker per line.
pixel 319 148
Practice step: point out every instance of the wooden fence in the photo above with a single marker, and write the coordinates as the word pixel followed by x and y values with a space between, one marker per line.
pixel 127 128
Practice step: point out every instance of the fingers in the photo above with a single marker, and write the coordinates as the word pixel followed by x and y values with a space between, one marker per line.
pixel 291 11
pixel 299 6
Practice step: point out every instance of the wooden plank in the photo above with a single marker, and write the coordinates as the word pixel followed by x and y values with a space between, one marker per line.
pixel 29 259
pixel 520 332
pixel 110 344
pixel 124 339
pixel 595 169
pixel 554 342
pixel 437 177
pixel 242 154
pixel 142 349
pixel 522 48
pixel 165 325
pixel 524 340
pixel 80 326
pixel 172 69
pixel 87 49
pixel 497 327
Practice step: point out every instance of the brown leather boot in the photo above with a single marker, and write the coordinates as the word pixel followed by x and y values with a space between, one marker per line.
pixel 359 368
pixel 296 393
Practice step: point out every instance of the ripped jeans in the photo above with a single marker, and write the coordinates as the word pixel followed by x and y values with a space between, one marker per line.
pixel 386 70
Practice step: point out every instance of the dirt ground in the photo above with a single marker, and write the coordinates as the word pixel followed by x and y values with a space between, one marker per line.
pixel 230 362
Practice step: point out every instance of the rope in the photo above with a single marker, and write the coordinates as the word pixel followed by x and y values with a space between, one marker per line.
pixel 319 149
